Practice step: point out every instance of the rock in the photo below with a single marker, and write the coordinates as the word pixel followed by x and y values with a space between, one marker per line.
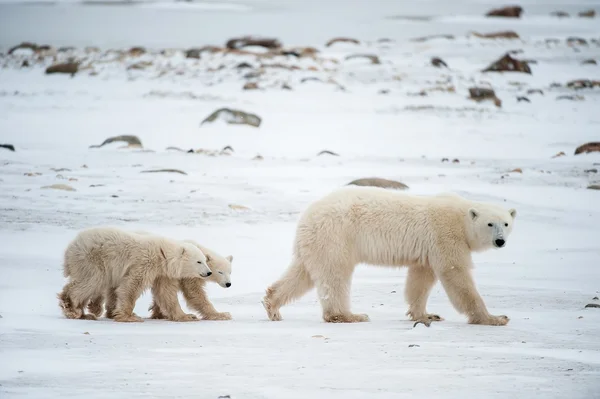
pixel 251 86
pixel 233 117
pixel 576 41
pixel 64 187
pixel 587 148
pixel 593 170
pixel 414 346
pixel 67 67
pixel 507 34
pixel 533 91
pixel 28 46
pixel 591 61
pixel 238 207
pixel 341 40
pixel 136 51
pixel 243 65
pixel 426 38
pixel 241 42
pixel 9 147
pixel 595 298
pixel 285 86
pixel 587 14
pixel 583 84
pixel 227 148
pixel 516 170
pixel 193 53
pixel 483 94
pixel 25 64
pixel 560 154
pixel 140 65
pixel 592 305
pixel 181 172
pixel 133 141
pixel 258 157
pixel 572 98
pixel 560 14
pixel 438 62
pixel 456 160
pixel 523 98
pixel 508 64
pixel 327 152
pixel 224 397
pixel 506 12
pixel 378 182
pixel 372 57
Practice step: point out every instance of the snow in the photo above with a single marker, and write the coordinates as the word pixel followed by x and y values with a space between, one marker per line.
pixel 542 280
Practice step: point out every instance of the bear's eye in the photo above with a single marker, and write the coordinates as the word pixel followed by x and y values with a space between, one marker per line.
pixel 506 224
pixel 220 272
pixel 489 224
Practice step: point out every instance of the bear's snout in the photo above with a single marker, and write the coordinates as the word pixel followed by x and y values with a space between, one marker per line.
pixel 499 242
pixel 227 285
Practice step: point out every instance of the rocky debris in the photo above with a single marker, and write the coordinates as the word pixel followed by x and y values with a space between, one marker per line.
pixel 227 148
pixel 591 61
pixel 523 98
pixel 576 41
pixel 572 98
pixel 250 86
pixel 372 57
pixel 480 94
pixel 327 152
pixel 587 14
pixel 508 64
pixel 233 117
pixel 379 182
pixel 136 51
pixel 341 40
pixel 193 53
pixel 583 84
pixel 593 170
pixel 32 174
pixel 506 12
pixel 560 14
pixel 507 34
pixel 560 154
pixel 30 46
pixel 516 170
pixel 587 148
pixel 236 207
pixel 132 141
pixel 25 64
pixel 67 67
pixel 140 65
pixel 64 187
pixel 534 91
pixel 592 305
pixel 438 62
pixel 243 65
pixel 258 157
pixel 181 172
pixel 426 38
pixel 9 147
pixel 241 42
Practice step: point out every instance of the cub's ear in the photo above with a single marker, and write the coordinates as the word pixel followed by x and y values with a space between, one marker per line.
pixel 182 251
pixel 208 258
pixel 229 258
pixel 473 214
pixel 513 212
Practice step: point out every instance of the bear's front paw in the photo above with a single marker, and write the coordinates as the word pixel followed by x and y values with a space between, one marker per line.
pixel 492 320
pixel 217 316
pixel 133 318
pixel 427 316
pixel 186 317
pixel 88 317
pixel 346 318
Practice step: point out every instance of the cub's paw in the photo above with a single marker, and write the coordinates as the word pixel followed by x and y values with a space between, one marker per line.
pixel 133 318
pixel 491 320
pixel 186 317
pixel 217 316
pixel 346 318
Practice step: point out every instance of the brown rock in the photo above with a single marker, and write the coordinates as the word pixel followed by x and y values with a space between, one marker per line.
pixel 583 84
pixel 341 40
pixel 587 14
pixel 426 38
pixel 136 51
pixel 560 14
pixel 372 57
pixel 594 187
pixel 560 154
pixel 64 187
pixel 517 170
pixel 507 12
pixel 587 148
pixel 508 64
pixel 576 41
pixel 241 42
pixel 132 141
pixel 379 182
pixel 140 65
pixel 236 207
pixel 480 94
pixel 181 172
pixel 438 62
pixel 25 45
pixel 68 67
pixel 234 117
pixel 251 86
pixel 508 34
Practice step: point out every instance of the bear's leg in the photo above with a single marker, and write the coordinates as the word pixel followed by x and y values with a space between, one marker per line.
pixel 460 287
pixel 333 289
pixel 293 284
pixel 66 303
pixel 419 282
pixel 111 302
pixel 165 303
pixel 95 306
pixel 196 298
pixel 128 292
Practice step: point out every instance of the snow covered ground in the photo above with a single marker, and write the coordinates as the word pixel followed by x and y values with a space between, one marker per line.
pixel 380 124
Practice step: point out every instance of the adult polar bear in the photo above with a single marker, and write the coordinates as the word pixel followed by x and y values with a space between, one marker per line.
pixel 433 236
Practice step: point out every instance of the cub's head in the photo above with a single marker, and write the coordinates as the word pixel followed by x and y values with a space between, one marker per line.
pixel 194 261
pixel 219 265
pixel 489 226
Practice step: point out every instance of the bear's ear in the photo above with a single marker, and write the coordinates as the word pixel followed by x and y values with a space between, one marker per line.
pixel 229 258
pixel 182 251
pixel 473 214
pixel 513 212
pixel 208 259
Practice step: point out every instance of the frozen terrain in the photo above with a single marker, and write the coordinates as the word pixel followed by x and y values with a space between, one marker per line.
pixel 397 119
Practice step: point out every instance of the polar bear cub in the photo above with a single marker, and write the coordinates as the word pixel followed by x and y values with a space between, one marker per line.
pixel 104 259
pixel 433 236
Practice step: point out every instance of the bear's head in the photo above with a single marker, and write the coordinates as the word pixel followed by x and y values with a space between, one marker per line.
pixel 489 226
pixel 219 265
pixel 194 261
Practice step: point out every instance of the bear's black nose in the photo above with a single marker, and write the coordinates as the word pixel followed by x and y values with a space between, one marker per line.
pixel 227 285
pixel 499 242
pixel 208 274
